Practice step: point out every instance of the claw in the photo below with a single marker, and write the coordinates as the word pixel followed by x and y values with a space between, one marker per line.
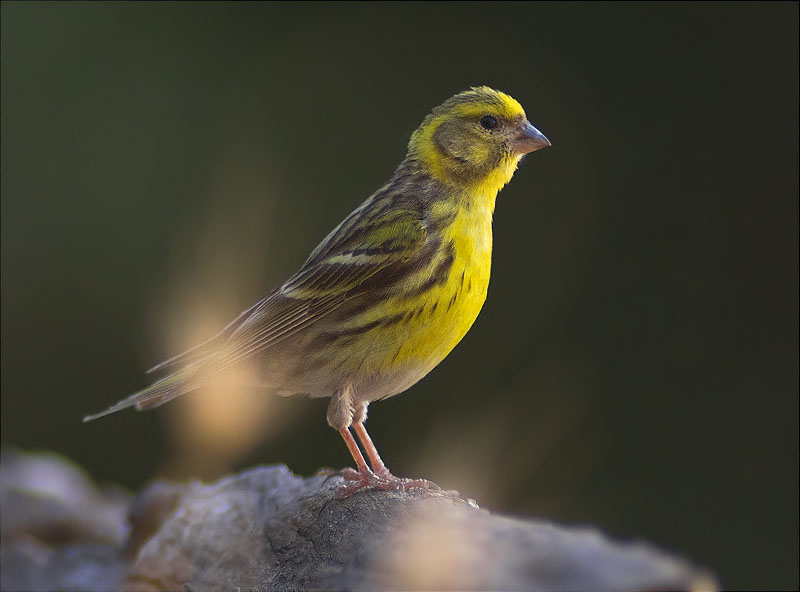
pixel 384 481
pixel 379 477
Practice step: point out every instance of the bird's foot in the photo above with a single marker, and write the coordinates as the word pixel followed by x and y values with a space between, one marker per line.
pixel 381 481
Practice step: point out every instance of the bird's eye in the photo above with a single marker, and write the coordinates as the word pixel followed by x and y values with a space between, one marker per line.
pixel 488 122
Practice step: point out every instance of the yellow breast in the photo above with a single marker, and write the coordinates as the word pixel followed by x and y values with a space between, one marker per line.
pixel 449 310
pixel 417 326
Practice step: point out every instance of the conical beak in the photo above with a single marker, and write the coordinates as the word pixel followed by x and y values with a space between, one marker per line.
pixel 529 139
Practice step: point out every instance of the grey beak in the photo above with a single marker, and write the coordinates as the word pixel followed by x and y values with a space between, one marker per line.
pixel 529 139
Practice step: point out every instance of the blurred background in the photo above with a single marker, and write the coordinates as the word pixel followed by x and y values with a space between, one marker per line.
pixel 635 366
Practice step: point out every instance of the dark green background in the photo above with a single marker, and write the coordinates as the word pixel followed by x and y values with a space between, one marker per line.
pixel 636 363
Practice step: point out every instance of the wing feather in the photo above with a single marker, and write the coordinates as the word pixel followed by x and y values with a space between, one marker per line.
pixel 349 265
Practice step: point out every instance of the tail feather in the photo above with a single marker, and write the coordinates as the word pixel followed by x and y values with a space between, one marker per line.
pixel 196 353
pixel 156 394
pixel 208 348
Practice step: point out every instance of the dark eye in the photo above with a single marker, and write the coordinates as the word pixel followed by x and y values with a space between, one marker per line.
pixel 488 122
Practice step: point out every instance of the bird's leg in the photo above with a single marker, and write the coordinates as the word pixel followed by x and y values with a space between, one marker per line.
pixel 361 478
pixel 361 464
pixel 372 453
pixel 388 481
pixel 340 416
pixel 341 413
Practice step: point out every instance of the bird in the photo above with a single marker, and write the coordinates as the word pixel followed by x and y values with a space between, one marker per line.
pixel 387 295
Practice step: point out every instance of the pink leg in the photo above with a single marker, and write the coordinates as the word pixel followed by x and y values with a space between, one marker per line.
pixel 369 447
pixel 379 478
pixel 361 478
pixel 361 464
pixel 340 413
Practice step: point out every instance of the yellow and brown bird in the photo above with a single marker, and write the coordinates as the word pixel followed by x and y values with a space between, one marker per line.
pixel 388 293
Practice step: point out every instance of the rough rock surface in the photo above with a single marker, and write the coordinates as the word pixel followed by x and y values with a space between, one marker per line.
pixel 267 529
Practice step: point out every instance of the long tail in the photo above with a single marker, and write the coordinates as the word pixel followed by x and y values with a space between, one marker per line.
pixel 207 349
pixel 156 394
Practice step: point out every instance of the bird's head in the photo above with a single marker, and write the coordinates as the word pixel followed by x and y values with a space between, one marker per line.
pixel 475 139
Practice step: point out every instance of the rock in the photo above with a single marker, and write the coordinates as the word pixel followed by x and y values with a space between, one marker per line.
pixel 267 529
pixel 58 531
